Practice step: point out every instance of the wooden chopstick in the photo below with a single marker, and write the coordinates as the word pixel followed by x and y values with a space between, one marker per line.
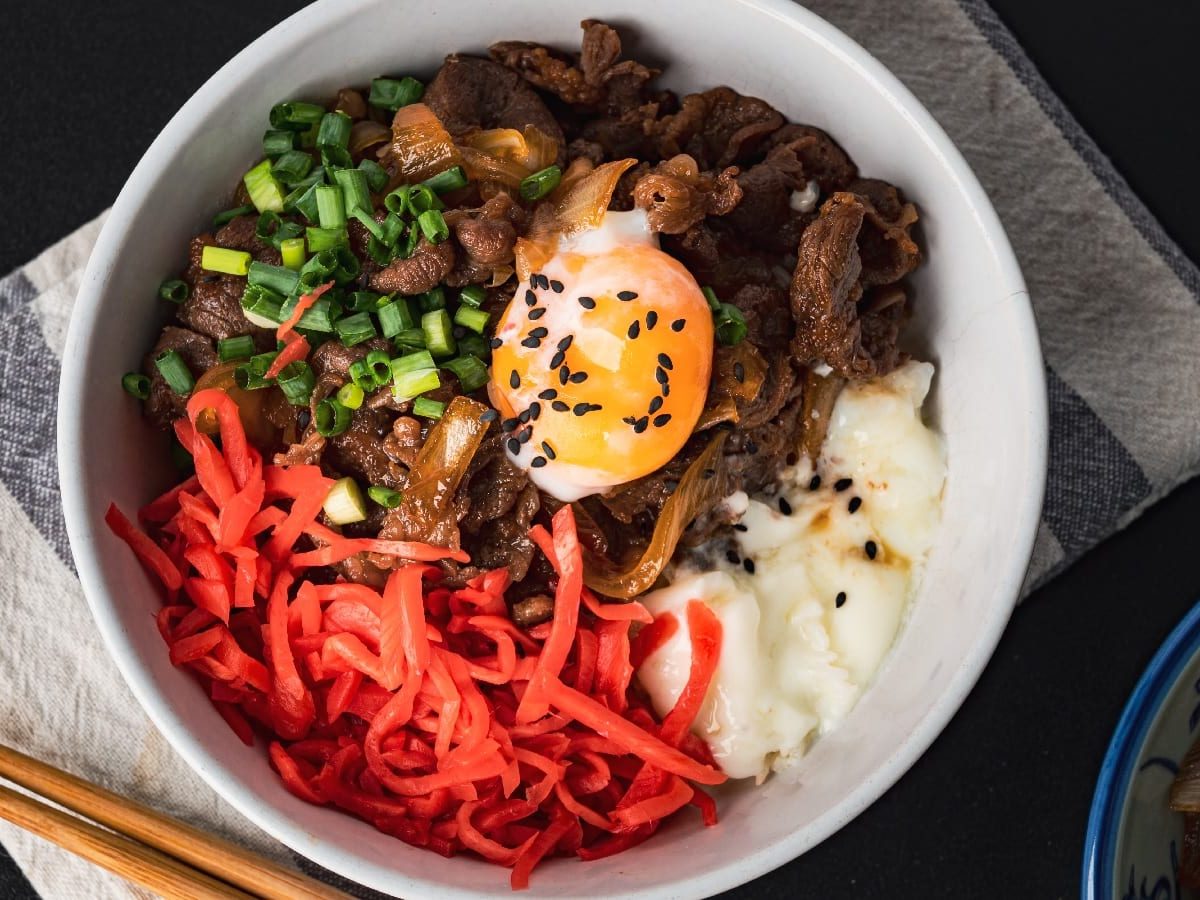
pixel 161 847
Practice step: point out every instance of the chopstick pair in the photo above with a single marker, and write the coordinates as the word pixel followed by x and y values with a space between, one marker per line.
pixel 146 847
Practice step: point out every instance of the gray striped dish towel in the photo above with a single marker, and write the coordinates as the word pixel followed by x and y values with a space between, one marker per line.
pixel 1105 281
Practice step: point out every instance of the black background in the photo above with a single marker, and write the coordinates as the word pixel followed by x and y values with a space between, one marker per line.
pixel 998 806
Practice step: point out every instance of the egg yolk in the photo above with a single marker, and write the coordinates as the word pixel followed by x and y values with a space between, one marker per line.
pixel 602 367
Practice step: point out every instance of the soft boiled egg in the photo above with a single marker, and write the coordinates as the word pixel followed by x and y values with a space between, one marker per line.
pixel 602 360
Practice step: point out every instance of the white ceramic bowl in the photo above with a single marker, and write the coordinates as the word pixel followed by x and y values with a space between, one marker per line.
pixel 972 318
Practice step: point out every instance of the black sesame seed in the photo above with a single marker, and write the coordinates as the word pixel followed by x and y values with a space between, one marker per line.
pixel 855 503
pixel 595 407
pixel 634 330
pixel 556 286
pixel 545 282
pixel 784 506
pixel 678 324
pixel 548 450
pixel 578 378
pixel 495 343
pixel 660 375
pixel 537 462
pixel 531 342
pixel 872 548
pixel 535 410
pixel 665 362
pixel 842 484
pixel 732 556
pixel 629 420
pixel 509 424
pixel 530 297
pixel 537 312
pixel 548 394
pixel 840 600
pixel 738 526
pixel 557 359
pixel 661 419
pixel 641 425
pixel 524 416
pixel 563 374
pixel 739 372
pixel 651 320
pixel 665 390
pixel 514 380
pixel 539 332
pixel 514 446
pixel 489 416
pixel 627 295
pixel 559 406
pixel 748 565
pixel 582 409
pixel 565 343
pixel 814 482
pixel 656 405
pixel 587 302
pixel 525 435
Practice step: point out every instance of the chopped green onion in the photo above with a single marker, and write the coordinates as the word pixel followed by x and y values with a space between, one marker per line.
pixel 334 157
pixel 348 267
pixel 353 183
pixel 380 365
pixel 410 339
pixel 306 203
pixel 332 418
pixel 136 385
pixel 319 316
pixel 267 225
pixel 384 496
pixel 475 319
pixel 413 375
pixel 331 211
pixel 450 180
pixel 476 345
pixel 265 192
pixel 432 299
pixel 175 372
pixel 395 317
pixel 428 409
pixel 365 301
pixel 296 116
pixel 397 201
pixel 472 295
pixel 433 226
pixel 392 93
pixel 730 325
pixel 325 238
pixel 262 306
pixel 292 167
pixel 408 244
pixel 711 296
pixel 317 270
pixel 240 347
pixel 275 278
pixel 355 329
pixel 367 220
pixel 377 176
pixel 470 372
pixel 361 377
pixel 439 334
pixel 224 218
pixel 252 376
pixel 334 130
pixel 221 259
pixel 378 251
pixel 393 228
pixel 173 290
pixel 297 382
pixel 350 395
pixel 344 503
pixel 278 141
pixel 292 250
pixel 539 184
pixel 421 198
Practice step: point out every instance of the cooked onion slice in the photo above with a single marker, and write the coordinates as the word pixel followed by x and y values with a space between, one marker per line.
pixel 421 146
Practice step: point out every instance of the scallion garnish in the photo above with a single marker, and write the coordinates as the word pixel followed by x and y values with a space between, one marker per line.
pixel 264 190
pixel 377 176
pixel 475 319
pixel 262 306
pixel 227 216
pixel 406 246
pixel 240 347
pixel 325 238
pixel 355 328
pixel 319 316
pixel 350 395
pixel 450 180
pixel 318 269
pixel 428 409
pixel 439 334
pixel 380 365
pixel 539 184
pixel 472 295
pixel 278 141
pixel 281 280
pixel 292 167
pixel 344 503
pixel 379 252
pixel 397 200
pixel 361 376
pixel 365 301
pixel 175 372
pixel 728 321
pixel 296 116
pixel 292 251
pixel 367 220
pixel 393 228
pixel 331 211
pixel 471 373
pixel 410 339
pixel 395 317
pixel 334 157
pixel 348 267
pixel 421 198
pixel 435 298
pixel 384 496
pixel 306 203
pixel 332 418
pixel 174 290
pixel 433 226
pixel 392 93
pixel 413 375
pixel 474 345
pixel 334 130
pixel 297 382
pixel 353 183
pixel 224 260
pixel 252 375
pixel 136 385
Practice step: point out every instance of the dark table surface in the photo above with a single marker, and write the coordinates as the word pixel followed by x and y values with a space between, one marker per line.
pixel 998 806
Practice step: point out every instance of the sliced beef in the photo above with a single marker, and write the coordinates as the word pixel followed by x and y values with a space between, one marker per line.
pixel 885 243
pixel 820 156
pixel 718 127
pixel 421 272
pixel 768 316
pixel 214 307
pixel 164 406
pixel 676 194
pixel 487 236
pixel 359 450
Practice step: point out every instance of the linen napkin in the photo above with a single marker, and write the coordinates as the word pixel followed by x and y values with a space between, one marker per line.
pixel 1105 280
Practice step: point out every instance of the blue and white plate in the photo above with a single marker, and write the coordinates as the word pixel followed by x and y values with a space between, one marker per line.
pixel 1133 839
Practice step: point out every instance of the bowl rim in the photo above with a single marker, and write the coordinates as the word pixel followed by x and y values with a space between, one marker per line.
pixel 1116 772
pixel 71 443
